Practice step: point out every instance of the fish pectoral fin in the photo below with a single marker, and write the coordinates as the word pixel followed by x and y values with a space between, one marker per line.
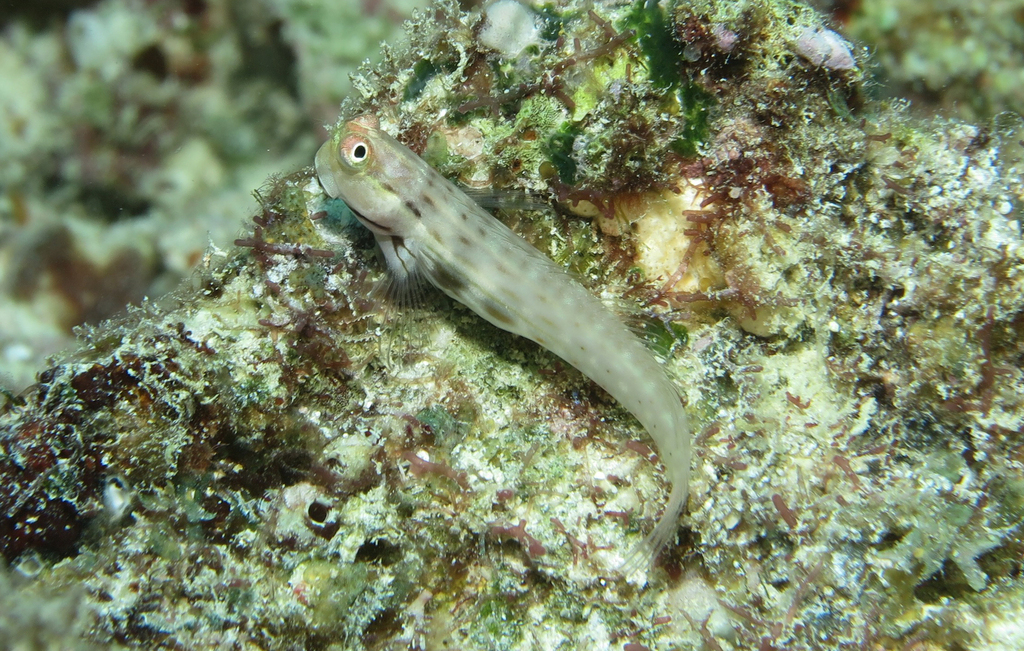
pixel 404 285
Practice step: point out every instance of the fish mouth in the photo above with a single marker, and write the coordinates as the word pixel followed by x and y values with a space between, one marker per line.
pixel 325 168
pixel 369 223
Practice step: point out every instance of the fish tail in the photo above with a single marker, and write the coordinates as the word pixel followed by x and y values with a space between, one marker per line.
pixel 643 555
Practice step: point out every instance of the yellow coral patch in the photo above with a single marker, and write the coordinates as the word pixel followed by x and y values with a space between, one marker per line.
pixel 663 242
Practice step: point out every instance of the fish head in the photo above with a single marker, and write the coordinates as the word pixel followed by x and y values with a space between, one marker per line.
pixel 365 167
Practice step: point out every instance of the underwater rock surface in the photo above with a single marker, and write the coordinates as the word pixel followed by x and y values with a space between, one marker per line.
pixel 277 457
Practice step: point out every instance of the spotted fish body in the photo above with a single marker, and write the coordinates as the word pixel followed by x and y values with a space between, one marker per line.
pixel 427 226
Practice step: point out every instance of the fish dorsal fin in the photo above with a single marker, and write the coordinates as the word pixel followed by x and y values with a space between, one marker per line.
pixel 490 199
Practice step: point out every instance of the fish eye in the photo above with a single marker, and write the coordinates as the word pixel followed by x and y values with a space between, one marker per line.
pixel 358 151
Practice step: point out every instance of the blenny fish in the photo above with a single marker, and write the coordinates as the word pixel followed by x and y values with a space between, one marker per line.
pixel 427 227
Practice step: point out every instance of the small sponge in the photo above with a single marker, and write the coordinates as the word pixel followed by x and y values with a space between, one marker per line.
pixel 509 27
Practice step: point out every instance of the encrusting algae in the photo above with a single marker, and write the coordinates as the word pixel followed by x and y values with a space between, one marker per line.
pixel 831 285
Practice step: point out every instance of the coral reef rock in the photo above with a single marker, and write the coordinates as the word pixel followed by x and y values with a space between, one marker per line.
pixel 281 455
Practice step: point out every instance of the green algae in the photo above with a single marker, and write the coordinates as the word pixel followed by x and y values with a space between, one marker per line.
pixel 559 150
pixel 553 21
pixel 422 72
pixel 663 338
pixel 662 51
pixel 695 105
